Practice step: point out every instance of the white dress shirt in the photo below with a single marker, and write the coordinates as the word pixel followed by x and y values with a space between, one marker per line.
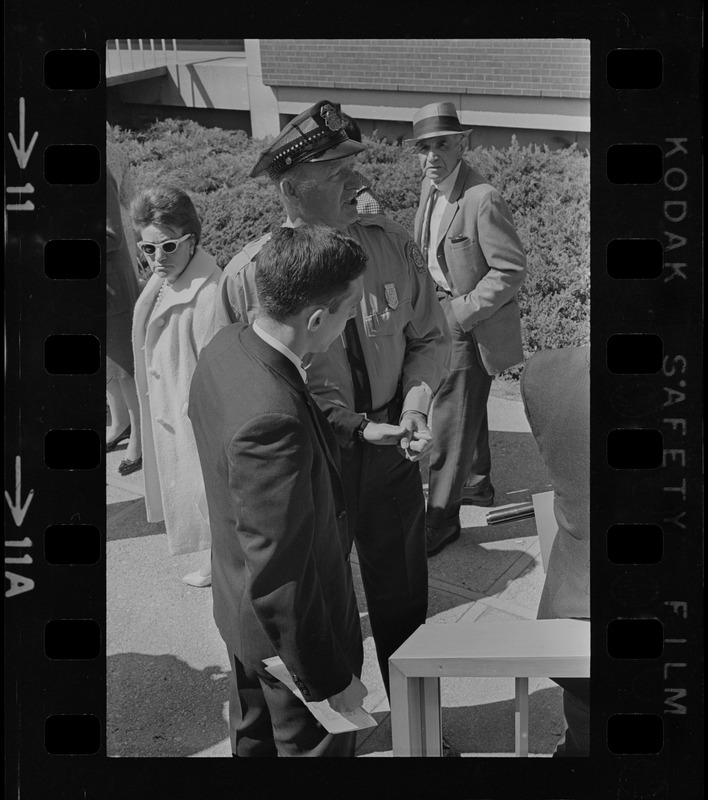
pixel 280 347
pixel 442 201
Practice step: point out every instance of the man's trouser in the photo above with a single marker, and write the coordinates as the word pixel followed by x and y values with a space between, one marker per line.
pixel 266 719
pixel 460 431
pixel 576 709
pixel 386 515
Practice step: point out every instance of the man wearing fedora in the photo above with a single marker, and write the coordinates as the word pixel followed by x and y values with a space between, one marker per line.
pixel 376 382
pixel 466 234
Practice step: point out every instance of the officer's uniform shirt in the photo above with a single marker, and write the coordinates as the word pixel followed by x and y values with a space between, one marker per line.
pixel 402 328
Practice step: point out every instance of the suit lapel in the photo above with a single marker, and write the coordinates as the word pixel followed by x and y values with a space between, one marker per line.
pixel 417 232
pixel 452 205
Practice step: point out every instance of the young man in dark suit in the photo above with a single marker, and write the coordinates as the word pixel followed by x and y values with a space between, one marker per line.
pixel 471 248
pixel 280 574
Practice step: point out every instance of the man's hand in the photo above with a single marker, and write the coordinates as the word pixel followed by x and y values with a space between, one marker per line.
pixel 381 433
pixel 350 699
pixel 417 439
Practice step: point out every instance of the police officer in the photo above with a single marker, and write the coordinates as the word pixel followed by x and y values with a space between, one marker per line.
pixel 375 383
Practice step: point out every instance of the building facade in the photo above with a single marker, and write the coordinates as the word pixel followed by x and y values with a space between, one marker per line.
pixel 536 89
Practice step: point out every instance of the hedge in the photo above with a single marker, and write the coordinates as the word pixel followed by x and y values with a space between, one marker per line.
pixel 547 190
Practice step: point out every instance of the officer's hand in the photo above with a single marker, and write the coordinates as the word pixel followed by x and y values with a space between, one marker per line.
pixel 350 699
pixel 417 439
pixel 381 433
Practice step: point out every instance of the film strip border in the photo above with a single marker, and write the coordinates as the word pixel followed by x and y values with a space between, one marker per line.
pixel 646 485
pixel 55 378
pixel 646 378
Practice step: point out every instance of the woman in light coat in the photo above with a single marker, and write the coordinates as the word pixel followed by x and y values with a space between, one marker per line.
pixel 170 325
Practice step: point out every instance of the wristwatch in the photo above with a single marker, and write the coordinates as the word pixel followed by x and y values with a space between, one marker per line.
pixel 360 430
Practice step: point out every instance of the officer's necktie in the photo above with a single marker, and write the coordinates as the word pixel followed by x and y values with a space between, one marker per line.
pixel 425 232
pixel 357 367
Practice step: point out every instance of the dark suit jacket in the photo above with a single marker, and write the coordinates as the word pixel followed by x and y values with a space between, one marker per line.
pixel 555 386
pixel 485 269
pixel 280 576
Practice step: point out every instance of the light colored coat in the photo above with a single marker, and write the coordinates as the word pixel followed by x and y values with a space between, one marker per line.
pixel 481 254
pixel 166 351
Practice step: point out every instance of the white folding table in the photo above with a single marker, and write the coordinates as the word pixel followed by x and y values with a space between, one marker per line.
pixel 553 648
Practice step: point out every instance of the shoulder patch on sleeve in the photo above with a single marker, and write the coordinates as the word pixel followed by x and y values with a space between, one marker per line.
pixel 245 256
pixel 416 257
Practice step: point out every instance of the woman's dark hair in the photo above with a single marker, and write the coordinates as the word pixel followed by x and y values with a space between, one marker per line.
pixel 168 206
pixel 305 266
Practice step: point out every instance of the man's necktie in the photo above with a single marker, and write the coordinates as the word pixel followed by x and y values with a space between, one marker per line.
pixel 357 367
pixel 425 232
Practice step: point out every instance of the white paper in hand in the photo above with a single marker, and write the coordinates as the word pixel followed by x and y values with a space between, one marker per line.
pixel 321 710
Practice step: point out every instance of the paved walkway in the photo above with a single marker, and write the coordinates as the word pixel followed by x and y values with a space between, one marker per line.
pixel 167 667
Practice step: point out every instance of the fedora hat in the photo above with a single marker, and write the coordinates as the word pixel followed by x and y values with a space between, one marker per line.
pixel 317 134
pixel 435 119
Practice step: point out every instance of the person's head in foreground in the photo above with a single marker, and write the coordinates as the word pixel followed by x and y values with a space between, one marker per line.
pixel 310 278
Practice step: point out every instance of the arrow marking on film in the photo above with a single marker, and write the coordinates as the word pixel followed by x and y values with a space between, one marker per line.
pixel 21 153
pixel 18 510
pixel 26 189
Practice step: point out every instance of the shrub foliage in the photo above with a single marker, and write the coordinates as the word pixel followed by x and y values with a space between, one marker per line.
pixel 547 191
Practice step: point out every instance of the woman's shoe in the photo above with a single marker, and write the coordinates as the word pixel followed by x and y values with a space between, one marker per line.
pixel 197 579
pixel 126 467
pixel 110 446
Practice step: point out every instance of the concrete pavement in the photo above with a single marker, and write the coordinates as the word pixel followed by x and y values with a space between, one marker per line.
pixel 167 667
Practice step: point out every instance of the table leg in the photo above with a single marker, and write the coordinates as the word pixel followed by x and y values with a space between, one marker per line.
pixel 415 715
pixel 429 689
pixel 521 716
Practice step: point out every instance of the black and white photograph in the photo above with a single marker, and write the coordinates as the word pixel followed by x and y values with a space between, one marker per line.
pixel 456 391
pixel 323 359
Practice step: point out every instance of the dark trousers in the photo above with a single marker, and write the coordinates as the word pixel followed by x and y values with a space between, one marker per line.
pixel 460 454
pixel 386 513
pixel 576 710
pixel 267 720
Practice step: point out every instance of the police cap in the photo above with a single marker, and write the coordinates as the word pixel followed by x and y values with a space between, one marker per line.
pixel 315 135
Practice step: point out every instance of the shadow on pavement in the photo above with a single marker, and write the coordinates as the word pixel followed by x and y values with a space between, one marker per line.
pixel 471 566
pixel 485 728
pixel 131 525
pixel 159 706
pixel 489 728
pixel 502 531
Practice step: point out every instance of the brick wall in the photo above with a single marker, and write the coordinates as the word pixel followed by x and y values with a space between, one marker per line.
pixel 537 67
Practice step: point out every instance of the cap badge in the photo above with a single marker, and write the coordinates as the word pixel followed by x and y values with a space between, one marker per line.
pixel 332 119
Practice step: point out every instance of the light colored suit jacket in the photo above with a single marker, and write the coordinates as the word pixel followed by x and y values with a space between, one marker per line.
pixel 481 253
